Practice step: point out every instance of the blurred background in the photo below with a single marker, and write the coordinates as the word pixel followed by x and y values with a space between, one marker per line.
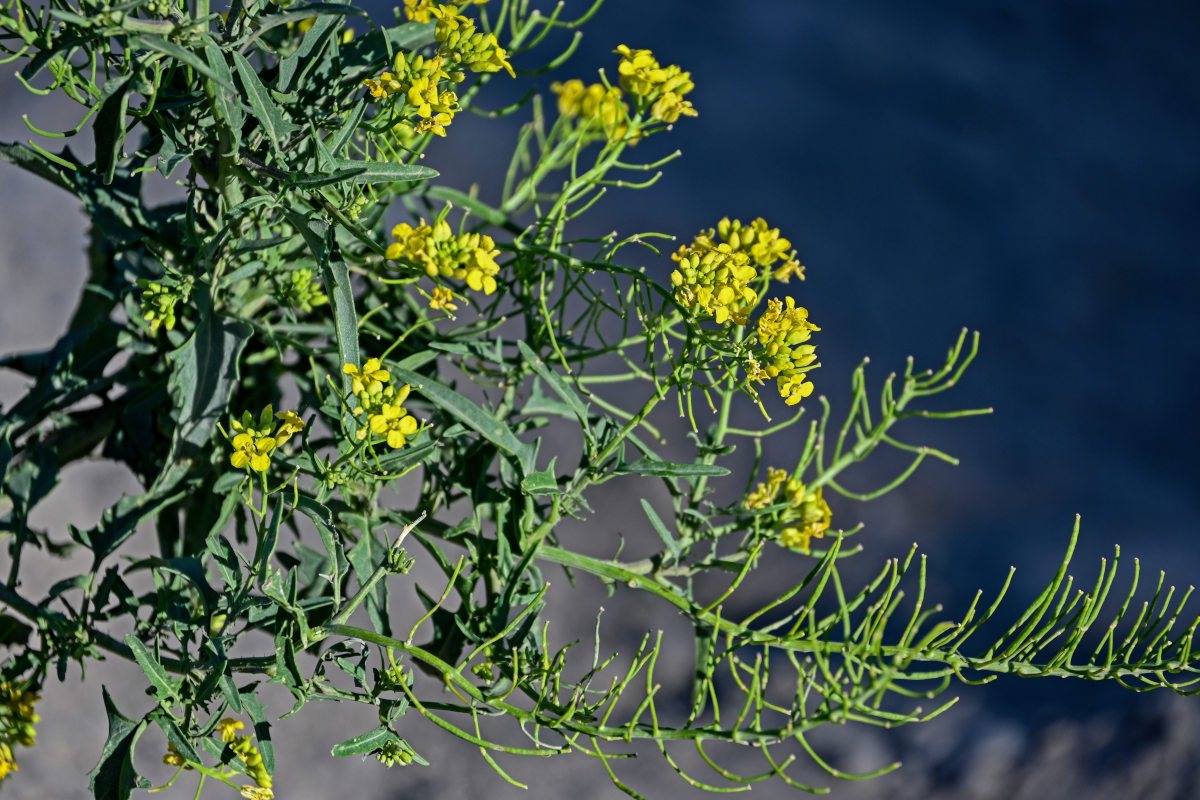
pixel 1028 170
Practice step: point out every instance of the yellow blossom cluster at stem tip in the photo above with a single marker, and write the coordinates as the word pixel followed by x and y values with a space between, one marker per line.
pixel 758 240
pixel 256 439
pixel 158 305
pixel 715 280
pixel 243 747
pixel 655 86
pixel 715 277
pixel 596 104
pixel 807 515
pixel 418 80
pixel 442 299
pixel 381 403
pixel 422 10
pixel 17 723
pixel 781 334
pixel 469 257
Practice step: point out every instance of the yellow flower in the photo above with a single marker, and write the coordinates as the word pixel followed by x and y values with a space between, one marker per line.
pixel 794 387
pixel 369 380
pixel 418 10
pixel 174 758
pixel 228 728
pixel 395 423
pixel 716 281
pixel 671 106
pixel 252 450
pixel 596 104
pixel 7 763
pixel 442 299
pixel 767 492
pixel 257 793
pixel 460 43
pixel 292 424
pixel 469 257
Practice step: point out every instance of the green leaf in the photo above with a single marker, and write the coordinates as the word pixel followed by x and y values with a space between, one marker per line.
pixel 349 126
pixel 167 47
pixel 465 412
pixel 366 742
pixel 109 126
pixel 230 690
pixel 560 387
pixel 205 372
pixel 293 68
pixel 113 777
pixel 262 728
pixel 668 469
pixel 264 108
pixel 269 541
pixel 175 735
pixel 190 568
pixel 543 482
pixel 655 522
pixel 384 171
pixel 166 688
pixel 336 278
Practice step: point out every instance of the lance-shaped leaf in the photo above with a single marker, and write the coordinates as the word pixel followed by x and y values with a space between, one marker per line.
pixel 166 688
pixel 265 110
pixel 113 777
pixel 109 126
pixel 466 412
pixel 669 469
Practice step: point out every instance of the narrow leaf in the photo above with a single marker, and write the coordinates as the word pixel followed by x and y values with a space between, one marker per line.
pixel 160 679
pixel 264 108
pixel 464 411
pixel 652 466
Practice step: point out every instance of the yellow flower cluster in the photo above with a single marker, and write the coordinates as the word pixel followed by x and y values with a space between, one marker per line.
pixel 417 78
pixel 174 758
pixel 17 721
pixel 461 44
pixel 256 439
pixel 442 299
pixel 658 87
pixel 763 244
pixel 807 515
pixel 422 10
pixel 243 747
pixel 596 104
pixel 381 403
pixel 715 280
pixel 469 257
pixel 782 332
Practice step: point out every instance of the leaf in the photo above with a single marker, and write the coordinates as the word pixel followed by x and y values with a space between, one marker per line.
pixel 386 172
pixel 668 469
pixel 465 412
pixel 109 126
pixel 205 372
pixel 293 68
pixel 336 278
pixel 179 53
pixel 655 522
pixel 264 108
pixel 349 126
pixel 262 728
pixel 113 777
pixel 543 482
pixel 560 387
pixel 366 742
pixel 189 567
pixel 230 690
pixel 175 735
pixel 269 541
pixel 166 688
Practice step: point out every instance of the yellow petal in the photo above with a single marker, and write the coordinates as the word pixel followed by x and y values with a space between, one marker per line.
pixel 239 459
pixel 409 425
pixel 395 439
pixel 260 463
